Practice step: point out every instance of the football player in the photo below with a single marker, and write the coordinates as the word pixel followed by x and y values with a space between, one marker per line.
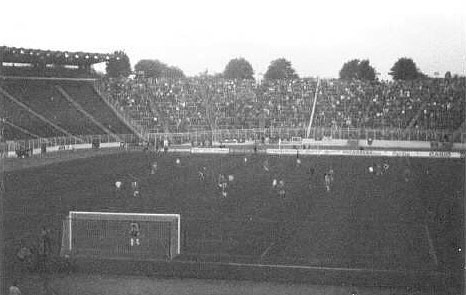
pixel 281 189
pixel 135 187
pixel 327 180
pixel 134 233
pixel 153 168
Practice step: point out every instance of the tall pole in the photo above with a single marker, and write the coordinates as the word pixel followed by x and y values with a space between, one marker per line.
pixel 2 195
pixel 464 196
pixel 313 109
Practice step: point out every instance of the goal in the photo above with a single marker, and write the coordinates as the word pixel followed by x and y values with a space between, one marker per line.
pixel 121 235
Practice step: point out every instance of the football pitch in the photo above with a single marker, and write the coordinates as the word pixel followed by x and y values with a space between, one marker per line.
pixel 407 217
pixel 130 285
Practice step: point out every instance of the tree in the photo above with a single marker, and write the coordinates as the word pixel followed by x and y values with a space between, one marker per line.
pixel 366 71
pixel 153 68
pixel 173 72
pixel 280 69
pixel 119 65
pixel 405 69
pixel 238 68
pixel 356 69
pixel 150 67
pixel 350 70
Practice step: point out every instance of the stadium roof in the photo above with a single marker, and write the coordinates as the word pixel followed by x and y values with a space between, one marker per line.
pixel 27 55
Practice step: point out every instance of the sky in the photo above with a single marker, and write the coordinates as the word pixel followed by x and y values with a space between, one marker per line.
pixel 316 36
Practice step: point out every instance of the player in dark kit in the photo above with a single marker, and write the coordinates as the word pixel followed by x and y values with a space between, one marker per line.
pixel 44 249
pixel 202 174
pixel 281 189
pixel 407 175
pixel 134 233
pixel 24 256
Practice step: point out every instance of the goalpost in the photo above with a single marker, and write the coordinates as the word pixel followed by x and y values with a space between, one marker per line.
pixel 140 236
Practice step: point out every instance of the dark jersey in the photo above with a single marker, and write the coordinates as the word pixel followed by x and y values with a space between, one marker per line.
pixel 134 232
pixel 45 245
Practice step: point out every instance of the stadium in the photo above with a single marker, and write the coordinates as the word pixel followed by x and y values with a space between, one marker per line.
pixel 310 182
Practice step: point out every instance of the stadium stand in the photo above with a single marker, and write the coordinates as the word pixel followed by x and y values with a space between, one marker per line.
pixel 146 105
pixel 191 104
pixel 56 108
pixel 43 98
pixel 85 95
pixel 66 104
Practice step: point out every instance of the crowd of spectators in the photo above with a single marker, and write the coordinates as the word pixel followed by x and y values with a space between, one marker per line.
pixel 206 103
pixel 185 104
pixel 422 104
pixel 135 98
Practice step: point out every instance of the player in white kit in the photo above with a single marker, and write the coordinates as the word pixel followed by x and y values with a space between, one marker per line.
pixel 135 187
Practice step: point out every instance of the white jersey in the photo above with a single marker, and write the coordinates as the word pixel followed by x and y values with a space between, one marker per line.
pixel 328 178
pixel 14 291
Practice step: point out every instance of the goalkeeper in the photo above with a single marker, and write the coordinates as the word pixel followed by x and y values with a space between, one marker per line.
pixel 134 232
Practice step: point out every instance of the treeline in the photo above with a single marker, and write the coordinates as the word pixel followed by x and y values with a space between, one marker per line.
pixel 239 68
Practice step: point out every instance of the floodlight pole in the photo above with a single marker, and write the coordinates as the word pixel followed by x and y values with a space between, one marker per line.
pixel 464 200
pixel 308 132
pixel 2 195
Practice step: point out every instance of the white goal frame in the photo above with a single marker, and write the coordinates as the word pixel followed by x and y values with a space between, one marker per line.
pixel 130 216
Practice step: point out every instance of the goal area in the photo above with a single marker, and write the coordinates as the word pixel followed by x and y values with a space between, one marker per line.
pixel 137 236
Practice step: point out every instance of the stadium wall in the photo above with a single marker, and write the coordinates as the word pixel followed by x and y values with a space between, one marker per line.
pixel 393 144
pixel 278 151
pixel 325 142
pixel 36 147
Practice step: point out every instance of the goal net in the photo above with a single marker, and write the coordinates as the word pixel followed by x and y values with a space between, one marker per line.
pixel 121 235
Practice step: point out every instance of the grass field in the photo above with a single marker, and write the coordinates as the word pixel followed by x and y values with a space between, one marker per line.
pixel 410 218
pixel 130 285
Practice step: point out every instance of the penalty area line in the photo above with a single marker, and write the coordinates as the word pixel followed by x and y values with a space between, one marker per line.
pixel 266 250
pixel 432 251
